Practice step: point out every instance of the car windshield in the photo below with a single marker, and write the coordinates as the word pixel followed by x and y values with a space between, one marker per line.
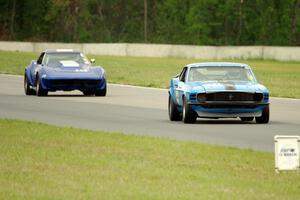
pixel 57 58
pixel 221 73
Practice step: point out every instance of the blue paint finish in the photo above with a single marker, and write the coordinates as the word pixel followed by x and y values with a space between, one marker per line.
pixel 78 72
pixel 190 90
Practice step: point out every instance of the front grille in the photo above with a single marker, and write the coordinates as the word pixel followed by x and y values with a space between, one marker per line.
pixel 230 106
pixel 234 96
pixel 74 82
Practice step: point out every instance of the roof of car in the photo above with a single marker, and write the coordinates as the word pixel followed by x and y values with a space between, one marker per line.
pixel 214 64
pixel 62 51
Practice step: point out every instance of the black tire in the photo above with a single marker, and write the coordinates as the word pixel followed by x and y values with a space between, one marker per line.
pixel 174 114
pixel 101 93
pixel 88 93
pixel 39 90
pixel 189 116
pixel 27 89
pixel 264 118
pixel 247 119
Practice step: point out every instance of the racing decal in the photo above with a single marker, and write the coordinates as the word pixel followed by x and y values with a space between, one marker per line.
pixel 64 50
pixel 229 85
pixel 69 63
pixel 81 70
pixel 220 85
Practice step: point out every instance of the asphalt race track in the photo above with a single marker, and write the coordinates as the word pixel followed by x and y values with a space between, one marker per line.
pixel 143 111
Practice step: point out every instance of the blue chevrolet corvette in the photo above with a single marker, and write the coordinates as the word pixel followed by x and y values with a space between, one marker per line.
pixel 64 69
pixel 217 90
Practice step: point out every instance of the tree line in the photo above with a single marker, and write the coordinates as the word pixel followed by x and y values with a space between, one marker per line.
pixel 197 22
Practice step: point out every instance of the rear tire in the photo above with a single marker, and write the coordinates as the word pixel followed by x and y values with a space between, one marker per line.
pixel 39 89
pixel 264 118
pixel 174 114
pixel 189 116
pixel 247 119
pixel 27 89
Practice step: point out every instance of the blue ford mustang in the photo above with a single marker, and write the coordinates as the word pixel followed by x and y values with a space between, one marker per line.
pixel 217 90
pixel 64 69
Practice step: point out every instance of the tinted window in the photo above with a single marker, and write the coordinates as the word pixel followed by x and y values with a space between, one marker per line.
pixel 40 59
pixel 183 74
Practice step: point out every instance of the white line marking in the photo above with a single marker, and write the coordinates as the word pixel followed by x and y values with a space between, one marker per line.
pixel 13 75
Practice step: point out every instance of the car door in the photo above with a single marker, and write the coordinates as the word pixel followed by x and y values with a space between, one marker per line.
pixel 181 86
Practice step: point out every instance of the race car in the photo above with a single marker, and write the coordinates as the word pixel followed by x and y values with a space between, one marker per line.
pixel 217 90
pixel 66 70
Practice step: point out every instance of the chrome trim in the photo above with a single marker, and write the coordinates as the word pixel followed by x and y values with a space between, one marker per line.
pixel 242 103
pixel 229 115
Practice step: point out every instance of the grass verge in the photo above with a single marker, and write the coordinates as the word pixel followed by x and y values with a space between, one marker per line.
pixel 281 78
pixel 39 161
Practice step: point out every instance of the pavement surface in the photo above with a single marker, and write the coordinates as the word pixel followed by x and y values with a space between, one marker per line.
pixel 143 111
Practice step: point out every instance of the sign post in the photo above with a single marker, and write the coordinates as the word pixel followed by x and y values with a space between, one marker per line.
pixel 287 150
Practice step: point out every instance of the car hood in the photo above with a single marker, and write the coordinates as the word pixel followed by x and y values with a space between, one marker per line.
pixel 220 86
pixel 74 71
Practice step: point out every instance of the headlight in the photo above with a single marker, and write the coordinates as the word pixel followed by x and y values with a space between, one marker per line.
pixel 258 96
pixel 201 97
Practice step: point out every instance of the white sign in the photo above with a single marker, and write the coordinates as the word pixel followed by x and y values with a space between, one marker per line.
pixel 287 149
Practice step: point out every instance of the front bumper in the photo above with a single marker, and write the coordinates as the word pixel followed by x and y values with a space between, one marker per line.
pixel 229 109
pixel 73 84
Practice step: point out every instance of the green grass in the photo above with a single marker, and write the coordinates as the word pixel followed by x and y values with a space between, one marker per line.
pixel 281 78
pixel 39 161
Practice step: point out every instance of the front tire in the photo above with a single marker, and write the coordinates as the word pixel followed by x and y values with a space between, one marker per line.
pixel 174 114
pixel 247 119
pixel 88 93
pixel 39 89
pixel 27 89
pixel 101 92
pixel 189 116
pixel 264 118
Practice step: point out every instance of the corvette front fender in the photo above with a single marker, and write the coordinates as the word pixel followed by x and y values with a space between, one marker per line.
pixel 29 77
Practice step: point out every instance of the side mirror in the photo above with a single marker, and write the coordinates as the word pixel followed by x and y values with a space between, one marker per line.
pixel 93 60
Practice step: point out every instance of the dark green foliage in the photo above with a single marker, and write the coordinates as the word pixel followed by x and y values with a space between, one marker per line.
pixel 198 22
